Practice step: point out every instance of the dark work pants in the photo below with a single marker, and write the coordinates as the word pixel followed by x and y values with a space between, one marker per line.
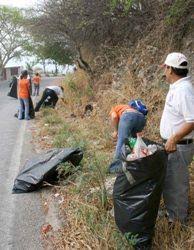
pixel 49 98
pixel 176 186
pixel 36 89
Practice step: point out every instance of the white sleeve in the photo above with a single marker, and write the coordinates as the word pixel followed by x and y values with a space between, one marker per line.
pixel 186 105
pixel 61 93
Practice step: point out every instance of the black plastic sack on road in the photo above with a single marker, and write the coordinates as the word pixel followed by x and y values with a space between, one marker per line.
pixel 13 88
pixel 43 168
pixel 31 109
pixel 136 195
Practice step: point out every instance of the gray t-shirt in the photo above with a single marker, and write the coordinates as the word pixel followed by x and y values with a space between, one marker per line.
pixel 57 90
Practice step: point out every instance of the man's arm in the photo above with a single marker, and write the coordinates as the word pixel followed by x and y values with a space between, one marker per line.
pixel 63 100
pixel 186 128
pixel 114 124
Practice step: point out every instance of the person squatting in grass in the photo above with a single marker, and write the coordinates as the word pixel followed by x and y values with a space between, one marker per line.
pixel 177 132
pixel 23 89
pixel 127 121
pixel 50 97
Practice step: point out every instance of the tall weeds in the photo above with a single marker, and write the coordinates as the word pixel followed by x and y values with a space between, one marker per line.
pixel 88 221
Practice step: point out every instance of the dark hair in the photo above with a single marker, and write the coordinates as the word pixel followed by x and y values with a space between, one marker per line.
pixel 62 88
pixel 37 74
pixel 24 73
pixel 181 72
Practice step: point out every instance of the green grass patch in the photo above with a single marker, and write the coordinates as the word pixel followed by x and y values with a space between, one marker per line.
pixel 51 117
pixel 177 11
pixel 68 138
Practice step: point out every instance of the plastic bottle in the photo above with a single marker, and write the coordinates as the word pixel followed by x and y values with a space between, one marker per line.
pixel 152 148
pixel 131 142
pixel 127 147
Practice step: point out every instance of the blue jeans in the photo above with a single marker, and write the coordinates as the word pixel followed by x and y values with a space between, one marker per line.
pixel 129 125
pixel 24 109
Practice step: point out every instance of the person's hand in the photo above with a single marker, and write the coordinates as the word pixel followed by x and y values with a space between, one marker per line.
pixel 170 145
pixel 115 135
pixel 63 100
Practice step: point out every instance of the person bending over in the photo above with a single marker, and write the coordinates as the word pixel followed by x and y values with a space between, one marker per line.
pixel 50 97
pixel 127 121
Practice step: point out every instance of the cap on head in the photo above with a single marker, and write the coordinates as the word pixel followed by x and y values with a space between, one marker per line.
pixel 175 59
pixel 139 106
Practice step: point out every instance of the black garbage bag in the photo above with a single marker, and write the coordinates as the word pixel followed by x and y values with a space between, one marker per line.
pixel 13 88
pixel 31 110
pixel 136 194
pixel 44 168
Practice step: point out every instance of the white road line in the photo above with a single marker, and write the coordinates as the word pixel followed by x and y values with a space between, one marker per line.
pixel 13 171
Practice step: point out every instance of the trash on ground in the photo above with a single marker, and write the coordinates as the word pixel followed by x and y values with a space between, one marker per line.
pixel 61 200
pixel 46 228
pixel 43 167
pixel 109 182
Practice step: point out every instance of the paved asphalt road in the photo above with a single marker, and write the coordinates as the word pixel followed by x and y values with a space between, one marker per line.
pixel 21 215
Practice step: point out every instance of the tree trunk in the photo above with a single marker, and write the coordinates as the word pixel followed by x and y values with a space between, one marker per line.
pixel 84 65
pixel 56 68
pixel 44 66
pixel 1 72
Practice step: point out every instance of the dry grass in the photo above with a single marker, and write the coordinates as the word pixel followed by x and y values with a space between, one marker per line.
pixel 87 221
pixel 88 224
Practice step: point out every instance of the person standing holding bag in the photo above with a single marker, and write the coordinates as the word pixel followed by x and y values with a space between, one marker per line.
pixel 24 95
pixel 177 132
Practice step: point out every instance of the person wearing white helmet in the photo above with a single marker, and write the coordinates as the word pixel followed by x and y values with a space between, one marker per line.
pixel 177 132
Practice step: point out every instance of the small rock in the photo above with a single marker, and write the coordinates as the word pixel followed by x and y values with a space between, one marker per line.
pixel 72 115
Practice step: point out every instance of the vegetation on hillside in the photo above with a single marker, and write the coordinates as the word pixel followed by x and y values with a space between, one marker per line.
pixel 118 46
pixel 86 210
pixel 98 34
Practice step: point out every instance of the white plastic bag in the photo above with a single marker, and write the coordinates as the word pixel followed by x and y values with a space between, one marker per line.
pixel 140 148
pixel 152 148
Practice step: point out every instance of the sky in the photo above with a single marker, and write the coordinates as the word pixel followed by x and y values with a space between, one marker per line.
pixel 19 3
pixel 22 4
